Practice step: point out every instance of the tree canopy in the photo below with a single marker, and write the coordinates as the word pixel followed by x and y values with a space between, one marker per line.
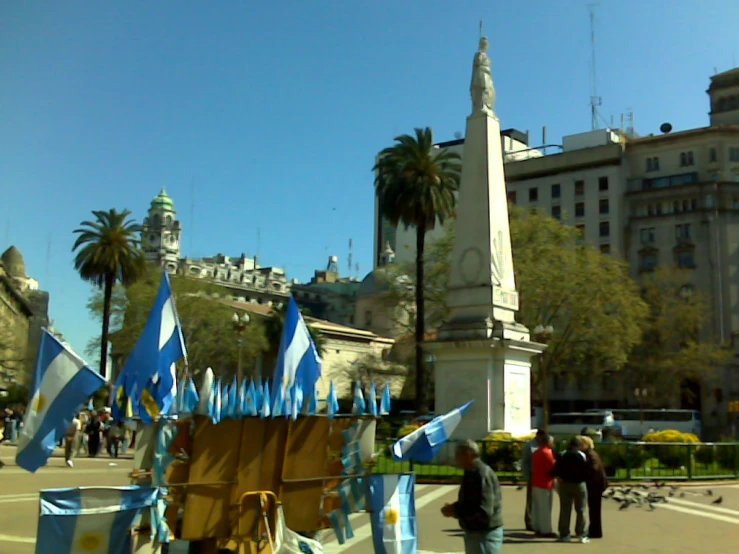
pixel 210 336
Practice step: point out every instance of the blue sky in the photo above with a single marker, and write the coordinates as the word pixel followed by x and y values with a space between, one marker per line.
pixel 275 110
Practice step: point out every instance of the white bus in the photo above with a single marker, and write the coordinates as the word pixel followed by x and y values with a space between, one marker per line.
pixel 635 423
pixel 572 423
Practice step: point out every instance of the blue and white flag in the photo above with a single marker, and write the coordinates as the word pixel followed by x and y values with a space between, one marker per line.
pixel 359 406
pixel 259 392
pixel 423 444
pixel 264 411
pixel 90 519
pixel 251 408
pixel 385 402
pixel 298 362
pixel 241 400
pixel 393 513
pixel 280 400
pixel 372 400
pixel 62 383
pixel 332 401
pixel 190 398
pixel 296 404
pixel 312 405
pixel 149 375
pixel 232 410
pixel 215 405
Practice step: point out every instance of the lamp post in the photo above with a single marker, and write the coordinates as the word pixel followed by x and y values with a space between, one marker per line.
pixel 543 334
pixel 641 394
pixel 240 324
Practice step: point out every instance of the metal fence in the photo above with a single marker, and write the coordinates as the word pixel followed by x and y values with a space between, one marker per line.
pixel 623 461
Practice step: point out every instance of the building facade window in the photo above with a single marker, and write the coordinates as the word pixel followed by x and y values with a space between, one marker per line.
pixel 646 235
pixel 650 209
pixel 653 164
pixel 533 194
pixel 712 155
pixel 556 191
pixel 602 184
pixel 684 258
pixel 604 229
pixel 603 206
pixel 648 260
pixel 686 159
pixel 580 209
pixel 734 154
pixel 557 212
pixel 682 231
pixel 579 188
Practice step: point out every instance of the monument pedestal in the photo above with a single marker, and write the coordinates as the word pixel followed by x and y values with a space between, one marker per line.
pixel 495 373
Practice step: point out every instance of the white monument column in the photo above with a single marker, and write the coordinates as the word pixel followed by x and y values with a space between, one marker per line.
pixel 481 353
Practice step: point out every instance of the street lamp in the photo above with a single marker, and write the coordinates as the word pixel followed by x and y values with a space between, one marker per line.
pixel 240 324
pixel 543 334
pixel 641 394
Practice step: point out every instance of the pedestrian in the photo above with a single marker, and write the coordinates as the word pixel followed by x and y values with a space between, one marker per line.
pixel 115 436
pixel 8 424
pixel 71 437
pixel 571 471
pixel 479 507
pixel 597 483
pixel 529 448
pixel 94 431
pixel 542 489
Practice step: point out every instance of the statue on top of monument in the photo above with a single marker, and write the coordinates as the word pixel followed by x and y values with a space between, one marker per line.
pixel 481 88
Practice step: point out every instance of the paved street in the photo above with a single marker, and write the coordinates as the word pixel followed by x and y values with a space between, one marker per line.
pixel 688 525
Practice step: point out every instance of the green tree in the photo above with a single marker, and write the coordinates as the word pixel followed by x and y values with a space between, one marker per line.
pixel 592 304
pixel 677 344
pixel 209 333
pixel 107 252
pixel 416 184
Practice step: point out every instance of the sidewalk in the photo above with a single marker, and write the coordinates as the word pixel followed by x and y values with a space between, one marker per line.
pixel 8 450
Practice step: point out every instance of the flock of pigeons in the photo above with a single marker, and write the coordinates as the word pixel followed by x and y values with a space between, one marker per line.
pixel 651 495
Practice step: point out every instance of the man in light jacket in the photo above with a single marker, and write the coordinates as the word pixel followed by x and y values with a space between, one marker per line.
pixel 526 468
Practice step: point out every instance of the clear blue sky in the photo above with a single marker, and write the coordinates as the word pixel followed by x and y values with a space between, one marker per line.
pixel 275 110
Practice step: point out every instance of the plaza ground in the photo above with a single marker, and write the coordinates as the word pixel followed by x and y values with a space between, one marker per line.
pixel 691 524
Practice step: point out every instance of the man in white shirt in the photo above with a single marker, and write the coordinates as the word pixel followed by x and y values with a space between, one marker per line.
pixel 71 438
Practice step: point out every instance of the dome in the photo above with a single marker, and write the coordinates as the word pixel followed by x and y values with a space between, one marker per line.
pixel 13 261
pixel 378 281
pixel 162 201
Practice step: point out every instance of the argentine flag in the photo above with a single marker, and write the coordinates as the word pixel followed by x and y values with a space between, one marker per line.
pixel 423 444
pixel 393 513
pixel 62 384
pixel 298 362
pixel 90 520
pixel 149 376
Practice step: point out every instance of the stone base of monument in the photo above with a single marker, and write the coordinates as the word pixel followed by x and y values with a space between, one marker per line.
pixel 490 364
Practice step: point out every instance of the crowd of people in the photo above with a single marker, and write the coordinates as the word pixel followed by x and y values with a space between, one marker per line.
pixel 577 475
pixel 90 431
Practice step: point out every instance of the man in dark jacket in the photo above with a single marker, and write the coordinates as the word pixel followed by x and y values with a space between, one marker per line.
pixel 479 508
pixel 571 472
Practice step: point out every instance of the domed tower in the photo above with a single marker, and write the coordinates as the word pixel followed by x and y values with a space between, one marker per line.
pixel 160 234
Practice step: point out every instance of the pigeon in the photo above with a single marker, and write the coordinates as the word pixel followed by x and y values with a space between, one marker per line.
pixel 719 500
pixel 709 492
pixel 624 506
pixel 652 506
pixel 682 495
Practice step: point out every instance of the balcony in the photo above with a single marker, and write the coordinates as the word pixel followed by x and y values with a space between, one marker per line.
pixel 640 185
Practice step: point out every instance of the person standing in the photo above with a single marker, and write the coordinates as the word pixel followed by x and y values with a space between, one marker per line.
pixel 597 483
pixel 479 507
pixel 115 437
pixel 542 485
pixel 571 471
pixel 71 437
pixel 94 432
pixel 528 450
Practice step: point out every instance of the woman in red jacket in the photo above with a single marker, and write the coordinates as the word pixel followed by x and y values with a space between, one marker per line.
pixel 542 487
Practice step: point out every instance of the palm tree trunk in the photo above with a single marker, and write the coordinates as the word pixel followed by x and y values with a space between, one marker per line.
pixel 107 295
pixel 422 398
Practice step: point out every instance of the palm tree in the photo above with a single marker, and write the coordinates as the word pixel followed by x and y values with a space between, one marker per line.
pixel 107 252
pixel 416 184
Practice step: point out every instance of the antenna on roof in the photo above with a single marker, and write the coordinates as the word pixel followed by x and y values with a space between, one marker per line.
pixel 350 257
pixel 595 100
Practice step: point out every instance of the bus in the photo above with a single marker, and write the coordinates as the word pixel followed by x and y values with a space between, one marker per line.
pixel 572 423
pixel 635 423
